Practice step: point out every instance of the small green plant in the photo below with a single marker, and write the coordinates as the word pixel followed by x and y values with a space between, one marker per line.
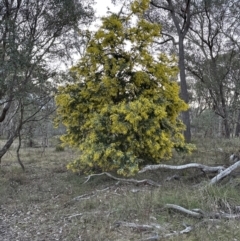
pixel 59 148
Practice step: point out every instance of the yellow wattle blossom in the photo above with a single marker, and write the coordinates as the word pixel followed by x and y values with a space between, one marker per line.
pixel 124 104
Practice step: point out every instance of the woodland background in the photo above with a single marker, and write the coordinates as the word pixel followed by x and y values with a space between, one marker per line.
pixel 47 202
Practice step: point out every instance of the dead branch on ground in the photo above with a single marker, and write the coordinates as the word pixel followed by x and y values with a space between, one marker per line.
pixel 224 173
pixel 204 168
pixel 138 227
pixel 144 181
pixel 198 213
pixel 195 214
pixel 151 228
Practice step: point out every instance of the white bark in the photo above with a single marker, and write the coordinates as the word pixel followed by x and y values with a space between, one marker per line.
pixel 184 210
pixel 224 173
pixel 144 181
pixel 139 227
pixel 204 168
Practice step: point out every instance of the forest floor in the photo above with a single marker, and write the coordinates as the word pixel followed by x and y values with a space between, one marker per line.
pixel 48 202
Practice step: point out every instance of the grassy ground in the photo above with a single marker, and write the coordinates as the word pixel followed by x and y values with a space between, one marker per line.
pixel 47 202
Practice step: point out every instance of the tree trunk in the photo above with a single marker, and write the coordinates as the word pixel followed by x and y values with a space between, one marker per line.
pixel 184 91
pixel 7 146
pixel 237 131
pixel 226 127
pixel 223 107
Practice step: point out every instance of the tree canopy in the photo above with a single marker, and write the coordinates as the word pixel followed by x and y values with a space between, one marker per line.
pixel 33 35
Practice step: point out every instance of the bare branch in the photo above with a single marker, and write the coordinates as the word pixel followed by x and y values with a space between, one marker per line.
pixel 184 210
pixel 224 173
pixel 160 6
pixel 198 213
pixel 144 181
pixel 204 168
pixel 5 109
pixel 138 227
pixel 170 38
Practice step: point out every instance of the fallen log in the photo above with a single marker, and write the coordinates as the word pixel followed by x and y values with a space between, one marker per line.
pixel 224 173
pixel 204 168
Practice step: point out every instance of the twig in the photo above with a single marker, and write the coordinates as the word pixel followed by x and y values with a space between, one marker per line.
pixel 157 237
pixel 75 215
pixel 186 230
pixel 144 181
pixel 84 196
pixel 88 195
pixel 87 213
pixel 138 227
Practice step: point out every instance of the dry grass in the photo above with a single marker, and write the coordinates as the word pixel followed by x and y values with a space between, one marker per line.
pixel 46 202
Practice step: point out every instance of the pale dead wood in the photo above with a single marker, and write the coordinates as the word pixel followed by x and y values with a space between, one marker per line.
pixel 195 214
pixel 204 168
pixel 144 181
pixel 187 229
pixel 84 196
pixel 198 213
pixel 223 215
pixel 75 215
pixel 224 173
pixel 89 195
pixel 87 214
pixel 138 227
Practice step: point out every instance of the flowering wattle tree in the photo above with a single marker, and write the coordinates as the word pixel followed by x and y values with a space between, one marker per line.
pixel 122 110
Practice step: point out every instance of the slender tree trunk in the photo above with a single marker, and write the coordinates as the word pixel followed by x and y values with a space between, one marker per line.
pixel 11 139
pixel 18 149
pixel 226 127
pixel 237 131
pixel 184 91
pixel 225 113
pixel 7 146
pixel 182 25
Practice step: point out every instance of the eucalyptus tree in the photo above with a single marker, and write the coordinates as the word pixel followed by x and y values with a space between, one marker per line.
pixel 34 36
pixel 175 19
pixel 213 57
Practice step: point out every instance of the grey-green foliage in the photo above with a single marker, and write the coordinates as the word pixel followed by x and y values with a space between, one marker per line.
pixel 213 59
pixel 34 36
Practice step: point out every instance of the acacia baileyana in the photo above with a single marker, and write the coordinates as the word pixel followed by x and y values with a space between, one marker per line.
pixel 122 110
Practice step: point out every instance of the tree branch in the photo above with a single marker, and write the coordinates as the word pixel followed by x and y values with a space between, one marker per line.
pixel 5 109
pixel 224 173
pixel 204 168
pixel 144 181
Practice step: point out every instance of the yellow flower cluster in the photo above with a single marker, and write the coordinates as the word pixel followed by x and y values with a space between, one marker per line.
pixel 124 104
